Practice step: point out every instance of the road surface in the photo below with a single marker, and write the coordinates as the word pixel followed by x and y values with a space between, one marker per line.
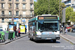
pixel 26 44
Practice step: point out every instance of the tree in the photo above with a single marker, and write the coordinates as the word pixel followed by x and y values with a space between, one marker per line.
pixel 69 11
pixel 62 6
pixel 72 18
pixel 42 7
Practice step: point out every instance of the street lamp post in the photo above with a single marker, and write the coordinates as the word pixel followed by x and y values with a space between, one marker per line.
pixel 21 18
pixel 59 8
pixel 48 6
pixel 13 11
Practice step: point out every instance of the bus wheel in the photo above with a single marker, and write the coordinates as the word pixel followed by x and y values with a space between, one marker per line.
pixel 54 40
pixel 31 39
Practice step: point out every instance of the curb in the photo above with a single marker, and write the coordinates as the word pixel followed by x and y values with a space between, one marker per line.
pixel 68 39
pixel 9 41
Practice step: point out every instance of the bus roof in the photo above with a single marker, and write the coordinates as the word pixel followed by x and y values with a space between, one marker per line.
pixel 45 15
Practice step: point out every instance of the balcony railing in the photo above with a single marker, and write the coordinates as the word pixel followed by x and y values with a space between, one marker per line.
pixel 17 8
pixel 2 1
pixel 23 7
pixel 24 15
pixel 9 1
pixel 31 1
pixel 31 9
pixel 10 7
pixel 17 2
pixel 2 15
pixel 30 15
pixel 2 7
pixel 10 16
pixel 24 2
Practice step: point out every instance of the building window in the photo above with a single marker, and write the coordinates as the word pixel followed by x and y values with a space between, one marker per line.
pixel 2 0
pixel 17 0
pixel 2 20
pixel 10 5
pixel 9 0
pixel 24 13
pixel 10 13
pixel 24 6
pixel 17 13
pixel 30 0
pixel 2 13
pixel 17 5
pixel 74 1
pixel 30 13
pixel 2 5
pixel 69 1
pixel 24 0
pixel 31 6
pixel 67 6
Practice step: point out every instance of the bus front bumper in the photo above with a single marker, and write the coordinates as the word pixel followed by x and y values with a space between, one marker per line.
pixel 47 38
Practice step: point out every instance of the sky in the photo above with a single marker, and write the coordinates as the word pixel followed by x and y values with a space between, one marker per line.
pixel 34 0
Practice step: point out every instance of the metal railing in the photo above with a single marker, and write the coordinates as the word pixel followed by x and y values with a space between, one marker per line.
pixel 3 15
pixel 2 0
pixel 2 7
pixel 31 8
pixel 10 7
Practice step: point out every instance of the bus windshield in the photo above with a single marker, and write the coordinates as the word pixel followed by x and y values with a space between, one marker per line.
pixel 47 26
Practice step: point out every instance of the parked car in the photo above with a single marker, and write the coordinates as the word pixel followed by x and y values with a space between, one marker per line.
pixel 1 29
pixel 73 29
pixel 69 29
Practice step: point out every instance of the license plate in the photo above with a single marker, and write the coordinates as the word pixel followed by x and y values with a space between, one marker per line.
pixel 48 38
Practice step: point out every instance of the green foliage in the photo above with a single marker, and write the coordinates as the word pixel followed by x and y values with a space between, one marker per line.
pixel 43 6
pixel 72 18
pixel 62 6
pixel 69 11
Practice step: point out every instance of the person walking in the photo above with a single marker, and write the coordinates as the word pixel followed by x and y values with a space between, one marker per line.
pixel 66 30
pixel 18 32
pixel 15 31
pixel 25 30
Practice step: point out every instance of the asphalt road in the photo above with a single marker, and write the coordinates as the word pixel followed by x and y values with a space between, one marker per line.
pixel 26 44
pixel 71 33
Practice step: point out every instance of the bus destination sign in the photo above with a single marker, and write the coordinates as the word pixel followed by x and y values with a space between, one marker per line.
pixel 40 18
pixel 51 17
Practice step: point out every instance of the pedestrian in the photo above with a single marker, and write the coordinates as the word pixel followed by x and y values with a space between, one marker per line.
pixel 66 30
pixel 18 32
pixel 25 30
pixel 60 30
pixel 15 31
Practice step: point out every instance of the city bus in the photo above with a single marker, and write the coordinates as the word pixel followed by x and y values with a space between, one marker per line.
pixel 44 27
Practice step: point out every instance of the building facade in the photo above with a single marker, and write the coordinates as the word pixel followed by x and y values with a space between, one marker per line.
pixel 69 3
pixel 16 10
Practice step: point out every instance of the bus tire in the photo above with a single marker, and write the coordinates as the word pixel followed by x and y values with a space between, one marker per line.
pixel 54 40
pixel 31 39
pixel 28 35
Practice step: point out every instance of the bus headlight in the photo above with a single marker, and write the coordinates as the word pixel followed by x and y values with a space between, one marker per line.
pixel 57 32
pixel 38 33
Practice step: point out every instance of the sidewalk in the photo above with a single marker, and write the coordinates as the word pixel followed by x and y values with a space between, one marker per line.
pixel 8 41
pixel 68 37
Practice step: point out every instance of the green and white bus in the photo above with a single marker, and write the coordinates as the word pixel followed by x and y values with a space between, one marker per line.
pixel 44 27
